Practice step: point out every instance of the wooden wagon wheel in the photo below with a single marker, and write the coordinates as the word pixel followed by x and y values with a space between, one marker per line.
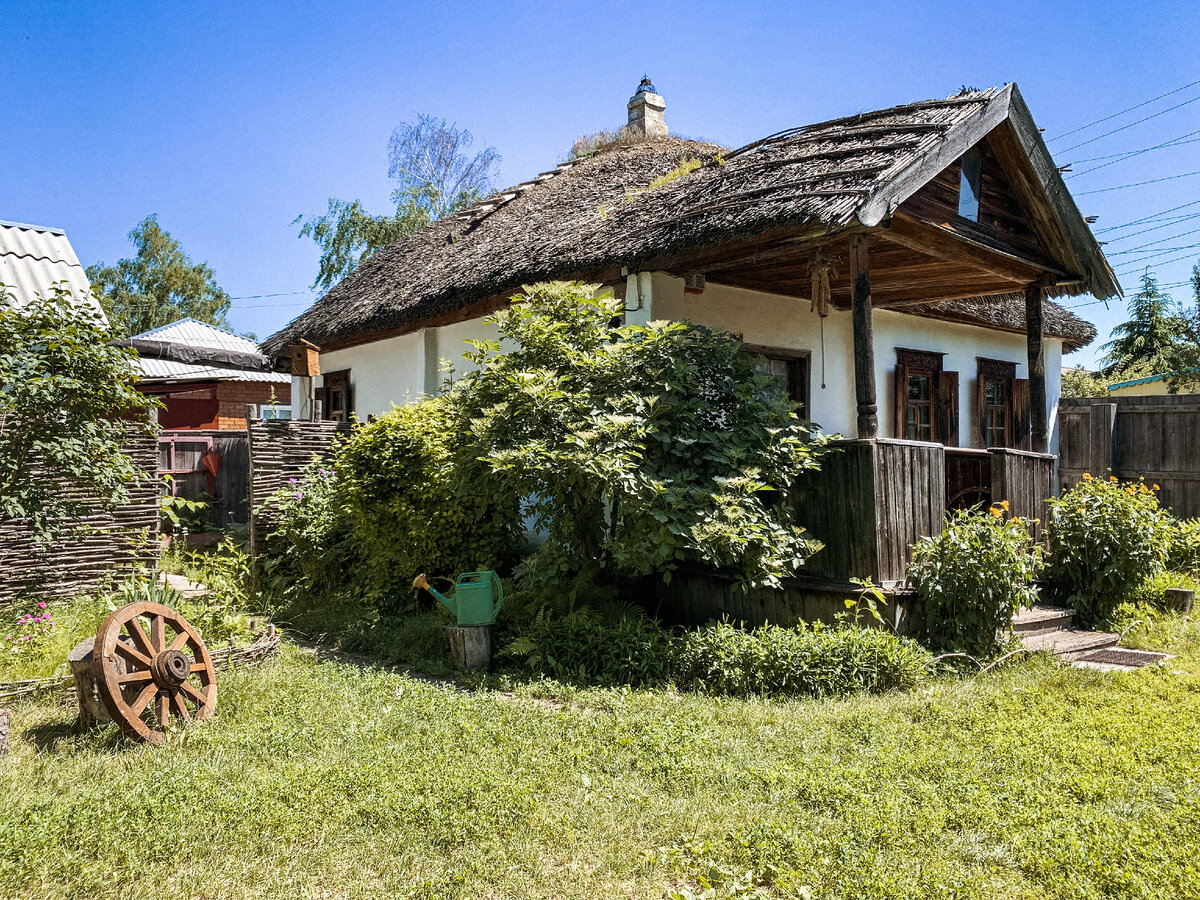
pixel 970 497
pixel 143 679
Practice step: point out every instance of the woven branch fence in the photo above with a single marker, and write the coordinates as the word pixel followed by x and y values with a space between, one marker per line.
pixel 111 543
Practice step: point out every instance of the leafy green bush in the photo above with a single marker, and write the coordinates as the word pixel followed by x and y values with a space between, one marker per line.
pixel 1183 548
pixel 805 660
pixel 583 647
pixel 638 447
pixel 1152 590
pixel 1105 537
pixel 972 579
pixel 417 500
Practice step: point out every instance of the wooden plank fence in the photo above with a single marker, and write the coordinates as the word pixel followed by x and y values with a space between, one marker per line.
pixel 1155 437
pixel 113 543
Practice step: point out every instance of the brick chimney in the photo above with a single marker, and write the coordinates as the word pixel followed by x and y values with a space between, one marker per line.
pixel 646 112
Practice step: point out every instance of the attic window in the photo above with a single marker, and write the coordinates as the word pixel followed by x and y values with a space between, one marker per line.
pixel 971 184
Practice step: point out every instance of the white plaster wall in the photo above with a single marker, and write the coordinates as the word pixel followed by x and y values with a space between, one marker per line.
pixel 382 373
pixel 772 320
pixel 402 369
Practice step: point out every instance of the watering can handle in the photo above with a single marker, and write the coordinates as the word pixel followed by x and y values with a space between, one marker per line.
pixel 499 585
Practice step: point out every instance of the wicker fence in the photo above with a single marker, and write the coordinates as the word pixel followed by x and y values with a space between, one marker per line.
pixel 280 450
pixel 112 543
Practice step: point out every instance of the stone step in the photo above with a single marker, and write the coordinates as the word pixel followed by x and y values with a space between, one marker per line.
pixel 1042 618
pixel 1070 642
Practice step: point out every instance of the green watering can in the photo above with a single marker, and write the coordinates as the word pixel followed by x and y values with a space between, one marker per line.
pixel 477 597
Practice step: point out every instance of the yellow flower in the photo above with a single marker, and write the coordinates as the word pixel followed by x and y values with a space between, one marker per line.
pixel 996 511
pixel 1130 491
pixel 1087 477
pixel 1004 505
pixel 1156 487
pixel 1112 478
pixel 1079 509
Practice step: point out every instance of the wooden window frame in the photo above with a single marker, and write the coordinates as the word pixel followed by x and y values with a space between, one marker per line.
pixel 333 382
pixel 943 395
pixel 799 362
pixel 1017 424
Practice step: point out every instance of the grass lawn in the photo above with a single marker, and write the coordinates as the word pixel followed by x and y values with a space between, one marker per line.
pixel 319 779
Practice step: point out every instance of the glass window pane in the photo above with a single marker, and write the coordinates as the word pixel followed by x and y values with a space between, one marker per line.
pixel 918 387
pixel 187 455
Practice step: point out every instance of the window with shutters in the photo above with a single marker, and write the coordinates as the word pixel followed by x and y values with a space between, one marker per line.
pixel 926 398
pixel 1002 402
pixel 790 367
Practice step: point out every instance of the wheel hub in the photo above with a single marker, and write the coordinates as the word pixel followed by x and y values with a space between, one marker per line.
pixel 170 668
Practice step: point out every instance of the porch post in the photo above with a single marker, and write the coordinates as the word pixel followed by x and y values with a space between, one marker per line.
pixel 864 351
pixel 1035 332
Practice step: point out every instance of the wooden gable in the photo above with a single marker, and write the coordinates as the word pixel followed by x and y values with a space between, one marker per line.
pixel 1004 223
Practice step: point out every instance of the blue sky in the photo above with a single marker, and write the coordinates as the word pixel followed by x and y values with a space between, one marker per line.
pixel 230 119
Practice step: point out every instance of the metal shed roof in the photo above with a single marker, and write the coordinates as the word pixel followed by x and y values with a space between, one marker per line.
pixel 34 258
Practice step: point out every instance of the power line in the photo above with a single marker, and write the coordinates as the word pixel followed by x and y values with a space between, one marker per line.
pixel 1121 187
pixel 281 294
pixel 1130 154
pixel 1166 223
pixel 1162 262
pixel 1152 243
pixel 1149 218
pixel 1131 124
pixel 1122 112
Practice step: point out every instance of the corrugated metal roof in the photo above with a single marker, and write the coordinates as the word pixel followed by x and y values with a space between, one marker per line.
pixel 169 370
pixel 194 333
pixel 34 258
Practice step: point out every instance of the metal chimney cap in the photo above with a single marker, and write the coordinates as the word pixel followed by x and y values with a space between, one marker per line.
pixel 646 87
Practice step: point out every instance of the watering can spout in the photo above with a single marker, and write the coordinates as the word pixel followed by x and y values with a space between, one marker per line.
pixel 477 597
pixel 422 582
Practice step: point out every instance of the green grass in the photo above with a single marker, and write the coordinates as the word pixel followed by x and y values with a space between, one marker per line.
pixel 320 779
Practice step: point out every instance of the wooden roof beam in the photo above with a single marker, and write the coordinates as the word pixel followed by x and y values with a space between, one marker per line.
pixel 944 244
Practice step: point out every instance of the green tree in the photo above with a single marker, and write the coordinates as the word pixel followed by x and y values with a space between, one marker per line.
pixel 639 448
pixel 1185 368
pixel 434 175
pixel 1150 338
pixel 158 286
pixel 67 399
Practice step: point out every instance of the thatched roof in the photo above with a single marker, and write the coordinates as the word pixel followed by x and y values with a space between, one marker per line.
pixel 631 206
pixel 1007 313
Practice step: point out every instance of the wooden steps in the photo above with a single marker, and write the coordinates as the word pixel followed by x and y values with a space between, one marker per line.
pixel 1049 629
pixel 1069 642
pixel 1042 618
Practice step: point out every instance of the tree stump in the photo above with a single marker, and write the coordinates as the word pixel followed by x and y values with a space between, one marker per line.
pixel 1180 599
pixel 470 646
pixel 5 722
pixel 92 713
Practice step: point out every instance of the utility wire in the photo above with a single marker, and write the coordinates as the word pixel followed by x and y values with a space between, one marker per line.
pixel 1149 218
pixel 1161 112
pixel 1166 223
pixel 1152 243
pixel 1121 187
pixel 1122 112
pixel 1174 142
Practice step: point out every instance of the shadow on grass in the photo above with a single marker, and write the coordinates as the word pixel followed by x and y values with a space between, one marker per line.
pixel 60 737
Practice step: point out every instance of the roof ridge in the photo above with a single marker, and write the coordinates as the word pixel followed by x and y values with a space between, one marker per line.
pixel 44 229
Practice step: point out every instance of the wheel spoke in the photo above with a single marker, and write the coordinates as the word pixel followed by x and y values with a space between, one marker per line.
pixel 139 704
pixel 158 633
pixel 132 654
pixel 134 627
pixel 198 667
pixel 194 693
pixel 181 707
pixel 180 641
pixel 162 708
pixel 131 678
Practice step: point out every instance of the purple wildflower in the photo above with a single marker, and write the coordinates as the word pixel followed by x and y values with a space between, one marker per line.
pixel 299 495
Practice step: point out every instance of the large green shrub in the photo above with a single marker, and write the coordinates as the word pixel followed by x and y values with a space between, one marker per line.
pixel 638 447
pixel 972 579
pixel 1183 547
pixel 418 500
pixel 804 660
pixel 1105 537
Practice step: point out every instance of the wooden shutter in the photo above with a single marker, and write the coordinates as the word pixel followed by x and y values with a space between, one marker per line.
pixel 946 422
pixel 901 399
pixel 981 411
pixel 1021 419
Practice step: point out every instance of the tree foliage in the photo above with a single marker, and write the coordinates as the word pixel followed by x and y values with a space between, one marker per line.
pixel 158 286
pixel 429 161
pixel 1150 338
pixel 67 398
pixel 639 447
pixel 1185 372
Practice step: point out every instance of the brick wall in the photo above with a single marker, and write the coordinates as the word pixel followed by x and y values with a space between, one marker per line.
pixel 234 395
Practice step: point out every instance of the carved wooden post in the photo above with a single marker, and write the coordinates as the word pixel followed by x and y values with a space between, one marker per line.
pixel 864 350
pixel 1035 331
